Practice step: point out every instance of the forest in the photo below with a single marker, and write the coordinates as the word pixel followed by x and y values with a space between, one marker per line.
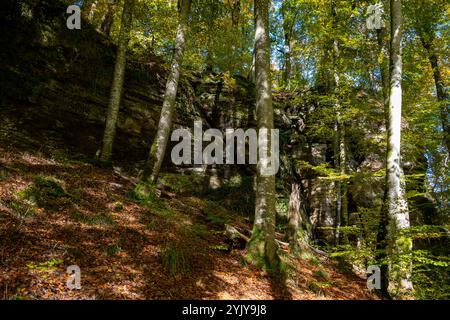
pixel 224 150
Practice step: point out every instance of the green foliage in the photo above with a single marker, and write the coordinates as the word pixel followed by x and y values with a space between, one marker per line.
pixel 321 274
pixel 175 260
pixel 215 213
pixel 186 183
pixel 113 249
pixel 22 209
pixel 219 247
pixel 314 261
pixel 145 195
pixel 200 230
pixel 45 192
pixel 47 266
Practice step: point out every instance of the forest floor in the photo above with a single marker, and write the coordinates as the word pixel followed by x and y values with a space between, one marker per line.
pixel 60 212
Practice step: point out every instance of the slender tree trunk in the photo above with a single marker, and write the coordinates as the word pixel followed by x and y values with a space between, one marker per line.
pixel 289 16
pixel 262 246
pixel 92 10
pixel 397 205
pixel 287 58
pixel 287 41
pixel 108 19
pixel 209 44
pixel 117 85
pixel 441 93
pixel 293 216
pixel 158 148
pixel 340 152
pixel 382 242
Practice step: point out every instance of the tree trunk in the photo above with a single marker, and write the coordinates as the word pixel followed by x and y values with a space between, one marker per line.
pixel 340 153
pixel 92 10
pixel 382 243
pixel 262 246
pixel 289 16
pixel 397 205
pixel 117 85
pixel 108 19
pixel 293 217
pixel 440 87
pixel 159 145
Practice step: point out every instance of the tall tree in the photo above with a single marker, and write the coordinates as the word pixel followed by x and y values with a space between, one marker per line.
pixel 262 246
pixel 92 9
pixel 294 217
pixel 399 244
pixel 117 85
pixel 339 148
pixel 289 15
pixel 381 241
pixel 108 18
pixel 426 18
pixel 158 148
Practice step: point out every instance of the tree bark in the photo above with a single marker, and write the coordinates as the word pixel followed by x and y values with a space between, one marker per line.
pixel 289 16
pixel 92 10
pixel 340 152
pixel 293 216
pixel 117 85
pixel 108 19
pixel 382 241
pixel 262 246
pixel 397 204
pixel 442 96
pixel 159 145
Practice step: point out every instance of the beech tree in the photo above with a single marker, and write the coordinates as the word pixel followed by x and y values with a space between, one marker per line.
pixel 158 148
pixel 398 244
pixel 117 85
pixel 262 246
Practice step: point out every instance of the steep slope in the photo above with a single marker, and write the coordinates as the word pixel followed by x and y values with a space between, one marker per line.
pixel 54 214
pixel 58 209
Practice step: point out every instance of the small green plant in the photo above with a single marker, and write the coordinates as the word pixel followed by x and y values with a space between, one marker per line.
pixel 314 261
pixel 20 209
pixel 118 206
pixel 318 287
pixel 214 213
pixel 219 247
pixel 47 266
pixel 113 249
pixel 175 260
pixel 200 230
pixel 145 195
pixel 321 274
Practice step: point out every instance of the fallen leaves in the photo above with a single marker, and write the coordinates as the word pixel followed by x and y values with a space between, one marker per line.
pixel 118 243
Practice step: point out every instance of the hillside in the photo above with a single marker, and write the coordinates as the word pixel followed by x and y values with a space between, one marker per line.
pixel 362 179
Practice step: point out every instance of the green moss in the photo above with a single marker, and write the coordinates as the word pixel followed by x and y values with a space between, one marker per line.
pixel 145 195
pixel 44 192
